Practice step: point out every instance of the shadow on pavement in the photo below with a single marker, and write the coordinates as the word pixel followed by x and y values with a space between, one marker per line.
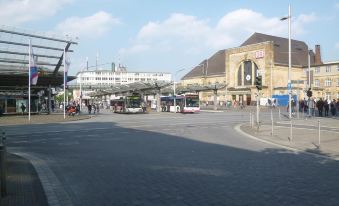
pixel 123 166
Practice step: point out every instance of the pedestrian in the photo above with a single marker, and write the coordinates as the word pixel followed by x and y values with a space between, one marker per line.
pixel 94 108
pixel 23 108
pixel 326 107
pixel 320 106
pixel 333 108
pixel 89 107
pixel 78 109
pixel 98 108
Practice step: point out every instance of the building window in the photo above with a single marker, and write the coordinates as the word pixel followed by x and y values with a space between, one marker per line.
pixel 328 95
pixel 317 83
pixel 317 70
pixel 328 68
pixel 328 82
pixel 337 68
pixel 337 82
pixel 246 73
pixel 338 95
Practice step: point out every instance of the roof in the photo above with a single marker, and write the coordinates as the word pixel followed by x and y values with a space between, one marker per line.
pixel 47 50
pixel 215 65
pixel 299 49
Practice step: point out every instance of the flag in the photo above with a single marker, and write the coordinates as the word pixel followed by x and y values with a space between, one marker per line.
pixel 33 67
pixel 67 64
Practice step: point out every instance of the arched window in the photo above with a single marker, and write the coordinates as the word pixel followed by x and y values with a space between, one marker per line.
pixel 247 72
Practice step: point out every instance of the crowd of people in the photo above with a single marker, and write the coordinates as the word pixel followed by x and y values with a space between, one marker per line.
pixel 317 107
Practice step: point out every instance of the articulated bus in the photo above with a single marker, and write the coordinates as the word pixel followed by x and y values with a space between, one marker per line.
pixel 186 103
pixel 128 104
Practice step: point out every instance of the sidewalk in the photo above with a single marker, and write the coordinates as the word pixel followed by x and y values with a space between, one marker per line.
pixel 40 118
pixel 23 184
pixel 305 135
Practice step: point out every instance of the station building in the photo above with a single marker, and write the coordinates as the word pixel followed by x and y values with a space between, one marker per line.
pixel 263 55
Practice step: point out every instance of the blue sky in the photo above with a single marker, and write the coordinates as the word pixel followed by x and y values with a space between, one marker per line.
pixel 168 35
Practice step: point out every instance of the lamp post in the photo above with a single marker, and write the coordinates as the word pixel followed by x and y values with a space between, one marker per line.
pixel 174 92
pixel 309 80
pixel 289 85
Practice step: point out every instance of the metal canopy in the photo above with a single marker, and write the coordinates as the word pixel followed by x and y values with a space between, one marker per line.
pixel 153 87
pixel 143 87
pixel 48 49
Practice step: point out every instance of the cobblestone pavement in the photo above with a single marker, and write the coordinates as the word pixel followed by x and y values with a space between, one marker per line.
pixel 319 135
pixel 174 159
pixel 23 184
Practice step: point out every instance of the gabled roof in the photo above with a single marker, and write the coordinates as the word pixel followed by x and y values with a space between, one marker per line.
pixel 299 49
pixel 215 65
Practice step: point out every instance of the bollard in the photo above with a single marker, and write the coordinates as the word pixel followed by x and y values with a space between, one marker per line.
pixel 279 115
pixel 250 118
pixel 272 122
pixel 3 169
pixel 319 132
pixel 291 134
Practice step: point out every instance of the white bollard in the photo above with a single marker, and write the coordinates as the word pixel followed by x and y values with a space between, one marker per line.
pixel 279 114
pixel 291 134
pixel 319 132
pixel 272 122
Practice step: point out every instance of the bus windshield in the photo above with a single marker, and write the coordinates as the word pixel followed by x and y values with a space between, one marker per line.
pixel 192 101
pixel 133 102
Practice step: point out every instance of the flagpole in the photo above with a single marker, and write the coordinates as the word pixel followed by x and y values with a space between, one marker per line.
pixel 29 81
pixel 64 83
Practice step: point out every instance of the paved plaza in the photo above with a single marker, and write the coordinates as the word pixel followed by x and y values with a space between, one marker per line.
pixel 172 159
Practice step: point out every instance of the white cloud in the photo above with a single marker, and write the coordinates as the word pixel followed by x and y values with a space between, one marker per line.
pixel 187 34
pixel 337 45
pixel 16 12
pixel 88 27
pixel 337 5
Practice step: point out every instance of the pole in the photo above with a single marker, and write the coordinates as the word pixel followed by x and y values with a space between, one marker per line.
pixel 64 83
pixel 80 90
pixel 174 92
pixel 271 80
pixel 87 63
pixel 289 61
pixel 319 132
pixel 279 114
pixel 291 134
pixel 29 81
pixel 174 97
pixel 309 82
pixel 258 108
pixel 272 122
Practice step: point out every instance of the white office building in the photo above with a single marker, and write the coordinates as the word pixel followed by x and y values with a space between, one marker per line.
pixel 108 77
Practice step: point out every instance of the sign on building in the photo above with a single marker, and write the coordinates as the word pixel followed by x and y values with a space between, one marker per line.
pixel 260 54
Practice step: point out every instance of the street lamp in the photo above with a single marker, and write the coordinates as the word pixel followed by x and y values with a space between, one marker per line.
pixel 289 85
pixel 174 95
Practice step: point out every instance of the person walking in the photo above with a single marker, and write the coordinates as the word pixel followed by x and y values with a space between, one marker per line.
pixel 23 108
pixel 89 107
pixel 326 107
pixel 320 106
pixel 333 108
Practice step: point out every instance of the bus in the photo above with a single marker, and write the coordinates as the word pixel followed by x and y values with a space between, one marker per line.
pixel 128 104
pixel 186 103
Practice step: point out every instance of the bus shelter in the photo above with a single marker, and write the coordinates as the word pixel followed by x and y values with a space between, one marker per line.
pixel 48 51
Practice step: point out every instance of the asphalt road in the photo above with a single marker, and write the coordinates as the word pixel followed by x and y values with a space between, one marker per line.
pixel 170 159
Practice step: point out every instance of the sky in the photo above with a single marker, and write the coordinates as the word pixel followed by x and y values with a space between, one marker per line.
pixel 170 35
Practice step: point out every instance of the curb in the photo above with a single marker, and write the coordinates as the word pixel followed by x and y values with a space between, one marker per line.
pixel 296 150
pixel 53 189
